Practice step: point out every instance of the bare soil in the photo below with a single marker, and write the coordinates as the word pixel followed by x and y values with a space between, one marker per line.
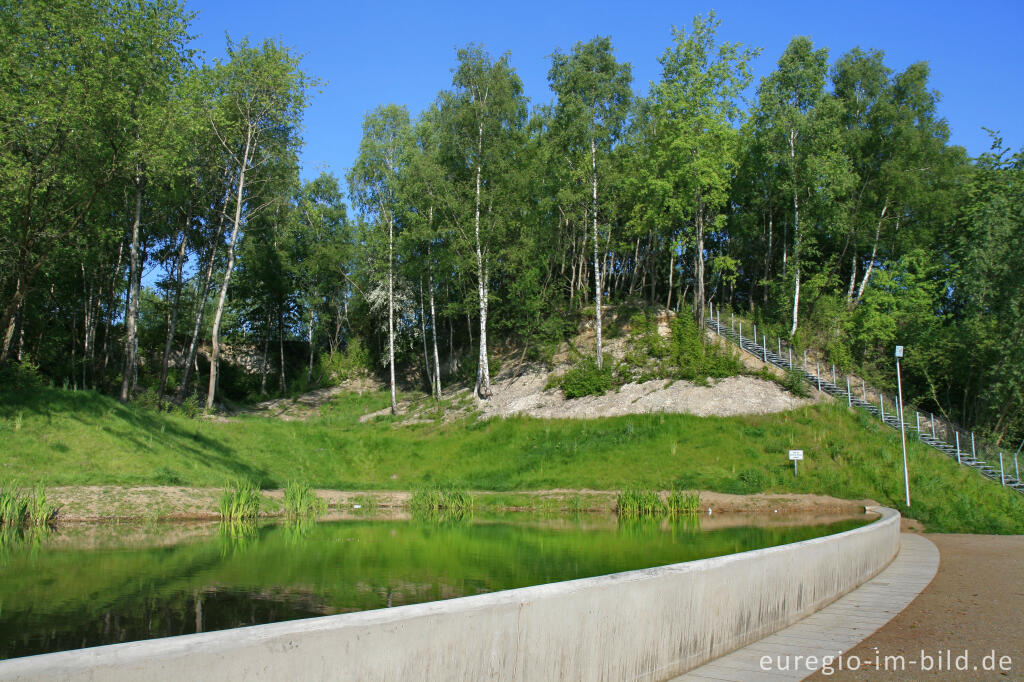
pixel 166 503
pixel 975 604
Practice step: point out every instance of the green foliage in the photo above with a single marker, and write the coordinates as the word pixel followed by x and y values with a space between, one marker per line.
pixel 441 499
pixel 301 501
pixel 19 509
pixel 240 501
pixel 351 363
pixel 586 378
pixel 795 384
pixel 635 503
pixel 680 502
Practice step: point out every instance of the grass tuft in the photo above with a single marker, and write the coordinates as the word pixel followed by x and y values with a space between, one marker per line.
pixel 301 502
pixel 240 501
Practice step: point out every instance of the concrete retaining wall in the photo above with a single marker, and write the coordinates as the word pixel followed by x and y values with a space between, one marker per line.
pixel 640 625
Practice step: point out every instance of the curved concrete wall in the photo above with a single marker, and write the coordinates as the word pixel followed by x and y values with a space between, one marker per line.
pixel 649 624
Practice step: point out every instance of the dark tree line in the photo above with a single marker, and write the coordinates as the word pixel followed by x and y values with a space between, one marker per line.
pixel 152 221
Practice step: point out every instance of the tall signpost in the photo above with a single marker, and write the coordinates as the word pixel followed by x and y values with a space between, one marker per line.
pixel 903 437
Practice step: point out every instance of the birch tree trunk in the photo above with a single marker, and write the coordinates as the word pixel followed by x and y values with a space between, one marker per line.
pixel 433 325
pixel 131 358
pixel 597 264
pixel 309 368
pixel 202 294
pixel 423 331
pixel 219 315
pixel 796 237
pixel 391 310
pixel 698 265
pixel 172 322
pixel 483 373
pixel 874 254
pixel 9 334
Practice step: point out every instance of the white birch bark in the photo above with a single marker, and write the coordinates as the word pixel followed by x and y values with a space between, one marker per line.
pixel 483 374
pixel 597 265
pixel 219 315
pixel 131 359
pixel 796 237
pixel 874 254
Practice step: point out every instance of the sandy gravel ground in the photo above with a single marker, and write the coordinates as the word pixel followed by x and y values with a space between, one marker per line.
pixel 974 604
pixel 158 503
pixel 723 398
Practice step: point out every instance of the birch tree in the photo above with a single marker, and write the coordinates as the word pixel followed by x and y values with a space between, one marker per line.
pixel 594 94
pixel 374 188
pixel 490 111
pixel 696 108
pixel 261 93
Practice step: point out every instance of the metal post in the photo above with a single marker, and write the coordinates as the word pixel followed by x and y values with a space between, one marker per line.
pixel 974 453
pixel 931 417
pixel 732 322
pixel 741 334
pixel 817 374
pixel 864 390
pixel 833 374
pixel 1016 469
pixel 881 405
pixel 780 348
pixel 755 334
pixel 849 395
pixel 791 357
pixel 957 434
pixel 719 319
pixel 1002 478
pixel 903 437
pixel 764 348
pixel 917 423
pixel 805 359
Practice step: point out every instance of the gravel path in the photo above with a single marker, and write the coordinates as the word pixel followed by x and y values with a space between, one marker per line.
pixel 975 605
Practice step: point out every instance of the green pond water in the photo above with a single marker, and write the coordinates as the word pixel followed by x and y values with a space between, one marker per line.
pixel 91 585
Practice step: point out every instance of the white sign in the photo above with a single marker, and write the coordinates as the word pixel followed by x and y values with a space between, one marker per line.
pixel 899 351
pixel 796 454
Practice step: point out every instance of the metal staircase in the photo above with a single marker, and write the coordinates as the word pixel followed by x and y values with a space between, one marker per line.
pixel 1007 476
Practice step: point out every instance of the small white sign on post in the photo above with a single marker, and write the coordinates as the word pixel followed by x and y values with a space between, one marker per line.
pixel 796 456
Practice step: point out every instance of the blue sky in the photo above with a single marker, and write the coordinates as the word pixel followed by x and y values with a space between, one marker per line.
pixel 372 53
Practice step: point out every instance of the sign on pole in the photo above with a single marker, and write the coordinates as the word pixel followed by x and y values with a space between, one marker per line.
pixel 796 456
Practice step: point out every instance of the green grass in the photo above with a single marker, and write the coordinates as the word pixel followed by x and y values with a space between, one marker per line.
pixel 301 502
pixel 240 501
pixel 62 437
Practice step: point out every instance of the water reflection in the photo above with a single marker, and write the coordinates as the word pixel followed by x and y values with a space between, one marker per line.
pixel 74 588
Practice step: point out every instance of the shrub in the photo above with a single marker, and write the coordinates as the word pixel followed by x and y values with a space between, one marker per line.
pixel 586 378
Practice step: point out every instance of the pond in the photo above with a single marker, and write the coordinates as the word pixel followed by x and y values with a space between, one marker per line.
pixel 85 586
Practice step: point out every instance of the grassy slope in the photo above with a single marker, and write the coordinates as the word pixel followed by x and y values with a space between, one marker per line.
pixel 66 438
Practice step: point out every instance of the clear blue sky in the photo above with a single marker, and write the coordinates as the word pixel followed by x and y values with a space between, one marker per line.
pixel 372 53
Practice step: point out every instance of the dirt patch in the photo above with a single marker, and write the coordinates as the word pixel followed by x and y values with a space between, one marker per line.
pixel 151 503
pixel 733 396
pixel 308 404
pixel 974 605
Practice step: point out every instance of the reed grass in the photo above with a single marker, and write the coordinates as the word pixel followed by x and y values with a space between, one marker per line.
pixel 239 501
pixel 679 503
pixel 301 502
pixel 637 503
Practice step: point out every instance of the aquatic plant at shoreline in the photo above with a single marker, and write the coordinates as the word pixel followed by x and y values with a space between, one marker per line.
pixel 301 502
pixel 240 500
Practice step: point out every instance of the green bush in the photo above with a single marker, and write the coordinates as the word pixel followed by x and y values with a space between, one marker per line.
pixel 350 363
pixel 586 378
pixel 795 384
